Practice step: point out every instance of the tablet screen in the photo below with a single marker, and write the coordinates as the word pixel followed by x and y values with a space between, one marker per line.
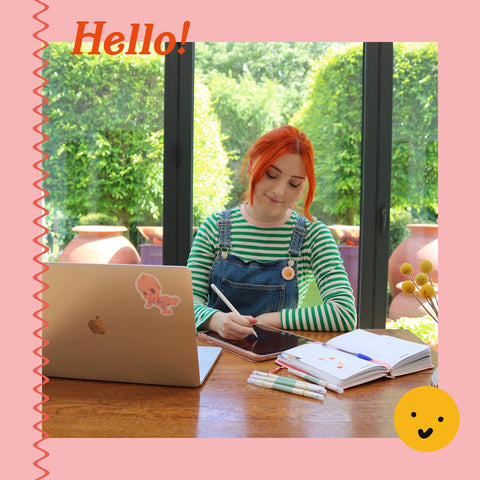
pixel 270 340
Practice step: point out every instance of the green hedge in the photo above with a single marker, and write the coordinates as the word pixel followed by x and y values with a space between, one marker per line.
pixel 332 117
pixel 105 143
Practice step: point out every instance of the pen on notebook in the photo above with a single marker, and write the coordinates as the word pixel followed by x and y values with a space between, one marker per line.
pixel 359 355
pixel 285 388
pixel 288 381
pixel 227 303
pixel 316 380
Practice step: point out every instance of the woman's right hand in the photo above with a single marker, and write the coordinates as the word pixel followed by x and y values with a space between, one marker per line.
pixel 231 325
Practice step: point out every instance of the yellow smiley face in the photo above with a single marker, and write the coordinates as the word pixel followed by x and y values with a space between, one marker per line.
pixel 426 419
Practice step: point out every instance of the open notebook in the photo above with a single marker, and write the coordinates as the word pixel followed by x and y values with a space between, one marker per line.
pixel 123 323
pixel 358 357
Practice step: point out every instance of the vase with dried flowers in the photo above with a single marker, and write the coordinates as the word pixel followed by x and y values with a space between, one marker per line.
pixel 422 287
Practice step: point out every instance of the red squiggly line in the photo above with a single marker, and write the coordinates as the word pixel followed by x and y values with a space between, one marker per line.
pixel 38 241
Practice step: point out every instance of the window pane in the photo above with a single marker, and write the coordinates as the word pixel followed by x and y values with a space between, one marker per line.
pixel 414 197
pixel 245 89
pixel 105 143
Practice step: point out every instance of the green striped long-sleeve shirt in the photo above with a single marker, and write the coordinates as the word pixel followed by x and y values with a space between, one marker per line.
pixel 319 260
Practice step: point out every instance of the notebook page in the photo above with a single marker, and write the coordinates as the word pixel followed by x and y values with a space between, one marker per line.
pixel 385 348
pixel 332 362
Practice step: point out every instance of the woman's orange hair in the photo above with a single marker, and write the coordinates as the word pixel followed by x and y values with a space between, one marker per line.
pixel 273 145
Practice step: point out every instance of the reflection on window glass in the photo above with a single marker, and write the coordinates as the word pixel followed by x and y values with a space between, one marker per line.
pixel 105 145
pixel 245 89
pixel 414 195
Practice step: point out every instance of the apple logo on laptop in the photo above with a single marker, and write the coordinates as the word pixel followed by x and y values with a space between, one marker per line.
pixel 96 326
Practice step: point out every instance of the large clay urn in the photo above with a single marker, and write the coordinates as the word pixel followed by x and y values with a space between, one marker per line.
pixel 348 238
pixel 100 244
pixel 421 244
pixel 408 306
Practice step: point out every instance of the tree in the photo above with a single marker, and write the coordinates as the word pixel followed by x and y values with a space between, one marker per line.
pixel 105 142
pixel 254 88
pixel 211 175
pixel 284 63
pixel 415 129
pixel 105 128
pixel 332 118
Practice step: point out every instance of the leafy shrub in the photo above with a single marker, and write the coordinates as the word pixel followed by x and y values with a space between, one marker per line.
pixel 424 327
pixel 105 146
pixel 332 118
pixel 98 219
pixel 399 218
pixel 105 129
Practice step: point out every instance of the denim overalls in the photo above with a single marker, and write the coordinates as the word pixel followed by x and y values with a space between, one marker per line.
pixel 255 287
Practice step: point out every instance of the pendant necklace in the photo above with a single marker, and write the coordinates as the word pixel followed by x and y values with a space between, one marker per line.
pixel 288 272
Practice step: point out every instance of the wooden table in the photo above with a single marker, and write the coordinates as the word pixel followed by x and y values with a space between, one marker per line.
pixel 226 406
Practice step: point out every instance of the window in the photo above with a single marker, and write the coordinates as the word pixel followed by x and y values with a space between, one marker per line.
pixel 243 90
pixel 124 130
pixel 105 143
pixel 414 193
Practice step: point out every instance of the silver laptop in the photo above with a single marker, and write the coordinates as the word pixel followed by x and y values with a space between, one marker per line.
pixel 123 323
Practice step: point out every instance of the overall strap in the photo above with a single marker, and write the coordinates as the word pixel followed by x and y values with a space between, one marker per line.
pixel 298 236
pixel 224 224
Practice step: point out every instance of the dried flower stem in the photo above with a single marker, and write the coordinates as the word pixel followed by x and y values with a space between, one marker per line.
pixel 431 303
pixel 434 316
pixel 426 309
pixel 429 300
pixel 431 282
pixel 430 297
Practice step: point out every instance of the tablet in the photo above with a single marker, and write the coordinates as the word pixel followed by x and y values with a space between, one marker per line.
pixel 270 342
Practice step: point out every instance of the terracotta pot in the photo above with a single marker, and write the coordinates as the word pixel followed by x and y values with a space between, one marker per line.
pixel 349 254
pixel 407 305
pixel 346 234
pixel 100 244
pixel 421 244
pixel 154 234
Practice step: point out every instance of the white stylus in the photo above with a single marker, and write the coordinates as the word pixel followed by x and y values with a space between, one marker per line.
pixel 228 304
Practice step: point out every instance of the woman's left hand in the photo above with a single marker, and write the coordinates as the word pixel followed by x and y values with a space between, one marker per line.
pixel 272 319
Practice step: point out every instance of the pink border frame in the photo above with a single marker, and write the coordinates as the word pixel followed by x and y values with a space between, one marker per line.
pixel 212 20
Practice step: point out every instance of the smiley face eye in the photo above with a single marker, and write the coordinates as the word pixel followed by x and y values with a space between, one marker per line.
pixel 440 419
pixel 413 414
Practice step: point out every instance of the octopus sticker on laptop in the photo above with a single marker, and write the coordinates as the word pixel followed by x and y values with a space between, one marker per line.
pixel 150 290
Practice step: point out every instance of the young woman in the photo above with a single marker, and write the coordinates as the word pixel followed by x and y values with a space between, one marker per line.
pixel 263 255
